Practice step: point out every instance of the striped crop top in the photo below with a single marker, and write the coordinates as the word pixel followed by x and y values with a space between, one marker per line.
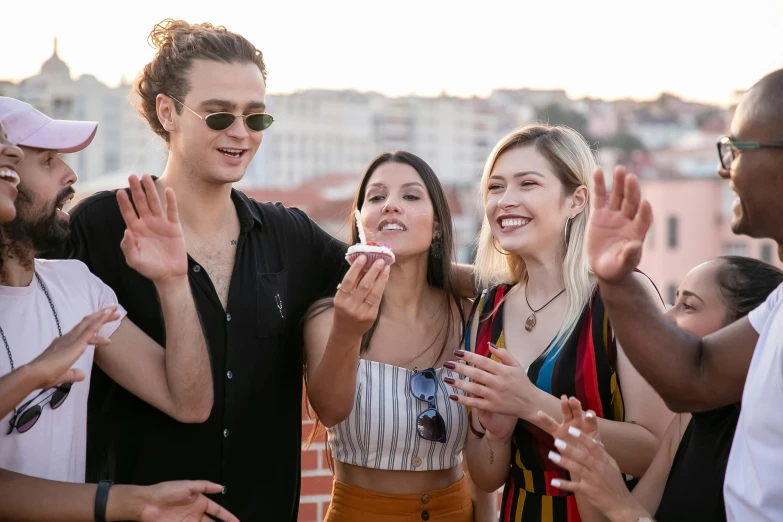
pixel 381 431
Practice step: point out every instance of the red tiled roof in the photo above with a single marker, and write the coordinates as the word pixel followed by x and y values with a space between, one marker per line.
pixel 310 197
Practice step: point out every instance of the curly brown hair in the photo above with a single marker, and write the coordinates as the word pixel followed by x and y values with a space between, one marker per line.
pixel 178 44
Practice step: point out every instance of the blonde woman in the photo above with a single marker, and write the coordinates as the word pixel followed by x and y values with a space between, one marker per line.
pixel 540 330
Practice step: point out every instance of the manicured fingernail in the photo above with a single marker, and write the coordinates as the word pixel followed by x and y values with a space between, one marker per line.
pixel 554 457
pixel 574 431
pixel 454 397
pixel 561 445
pixel 459 353
pixel 555 483
pixel 590 414
pixel 448 380
pixel 450 365
pixel 493 346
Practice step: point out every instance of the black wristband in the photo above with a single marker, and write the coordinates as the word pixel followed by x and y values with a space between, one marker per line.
pixel 102 500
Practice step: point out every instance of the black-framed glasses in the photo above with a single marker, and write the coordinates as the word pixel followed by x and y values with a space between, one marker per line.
pixel 28 413
pixel 429 423
pixel 729 149
pixel 220 121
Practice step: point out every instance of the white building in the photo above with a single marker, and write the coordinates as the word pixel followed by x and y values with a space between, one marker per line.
pixel 123 144
pixel 319 132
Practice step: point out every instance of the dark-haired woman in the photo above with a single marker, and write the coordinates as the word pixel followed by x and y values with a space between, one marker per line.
pixel 685 480
pixel 375 355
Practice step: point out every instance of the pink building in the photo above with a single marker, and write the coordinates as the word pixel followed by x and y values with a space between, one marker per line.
pixel 692 224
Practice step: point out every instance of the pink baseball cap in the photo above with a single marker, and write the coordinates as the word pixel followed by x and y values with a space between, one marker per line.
pixel 29 127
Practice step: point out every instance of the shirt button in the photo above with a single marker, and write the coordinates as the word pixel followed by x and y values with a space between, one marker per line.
pixel 225 433
pixel 416 462
pixel 197 269
pixel 425 515
pixel 425 499
pixel 229 374
pixel 228 317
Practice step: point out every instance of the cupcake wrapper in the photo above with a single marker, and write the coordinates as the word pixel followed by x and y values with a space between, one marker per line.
pixel 372 257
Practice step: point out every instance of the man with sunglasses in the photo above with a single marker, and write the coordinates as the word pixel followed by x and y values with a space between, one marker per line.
pixel 254 269
pixel 742 362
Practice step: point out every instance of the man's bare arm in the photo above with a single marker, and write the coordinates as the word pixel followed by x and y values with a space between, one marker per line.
pixel 177 380
pixel 38 500
pixel 689 373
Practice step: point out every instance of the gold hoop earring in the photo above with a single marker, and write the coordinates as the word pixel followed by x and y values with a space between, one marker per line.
pixel 497 249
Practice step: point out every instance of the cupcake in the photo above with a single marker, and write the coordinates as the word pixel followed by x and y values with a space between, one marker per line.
pixel 372 250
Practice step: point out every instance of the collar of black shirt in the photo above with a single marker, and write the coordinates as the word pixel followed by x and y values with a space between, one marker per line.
pixel 246 212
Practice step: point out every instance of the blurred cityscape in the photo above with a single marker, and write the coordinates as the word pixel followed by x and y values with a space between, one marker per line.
pixel 322 140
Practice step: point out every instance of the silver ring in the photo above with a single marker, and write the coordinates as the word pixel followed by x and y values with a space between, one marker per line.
pixel 339 287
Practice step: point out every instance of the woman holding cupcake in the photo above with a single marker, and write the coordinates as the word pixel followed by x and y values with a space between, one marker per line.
pixel 540 330
pixel 375 358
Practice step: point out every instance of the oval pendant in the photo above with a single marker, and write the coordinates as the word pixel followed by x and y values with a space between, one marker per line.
pixel 531 322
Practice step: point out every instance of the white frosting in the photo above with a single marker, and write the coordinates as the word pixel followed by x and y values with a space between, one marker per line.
pixel 370 249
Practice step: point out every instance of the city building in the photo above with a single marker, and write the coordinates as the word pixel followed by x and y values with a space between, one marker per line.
pixel 123 144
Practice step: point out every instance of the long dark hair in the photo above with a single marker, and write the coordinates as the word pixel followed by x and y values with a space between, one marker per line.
pixel 745 283
pixel 439 258
pixel 441 252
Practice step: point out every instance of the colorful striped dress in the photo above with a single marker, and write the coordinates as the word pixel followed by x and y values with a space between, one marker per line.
pixel 584 368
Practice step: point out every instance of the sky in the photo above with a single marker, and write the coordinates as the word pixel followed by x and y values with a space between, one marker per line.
pixel 699 49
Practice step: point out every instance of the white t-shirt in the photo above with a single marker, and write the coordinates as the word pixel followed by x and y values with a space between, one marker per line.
pixel 55 447
pixel 754 477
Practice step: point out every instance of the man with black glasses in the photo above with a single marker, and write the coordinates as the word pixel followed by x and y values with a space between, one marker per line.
pixel 743 361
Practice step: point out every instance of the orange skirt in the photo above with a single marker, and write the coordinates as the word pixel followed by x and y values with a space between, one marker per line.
pixel 355 504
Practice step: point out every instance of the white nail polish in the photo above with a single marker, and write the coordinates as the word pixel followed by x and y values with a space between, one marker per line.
pixel 589 414
pixel 559 444
pixel 574 431
pixel 555 483
pixel 554 457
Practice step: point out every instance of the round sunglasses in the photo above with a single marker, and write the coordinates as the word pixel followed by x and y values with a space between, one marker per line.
pixel 429 423
pixel 26 416
pixel 220 121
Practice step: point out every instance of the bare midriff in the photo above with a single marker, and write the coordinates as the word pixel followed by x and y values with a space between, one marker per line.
pixel 396 482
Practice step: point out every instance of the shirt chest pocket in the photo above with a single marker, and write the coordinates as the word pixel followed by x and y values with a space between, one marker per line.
pixel 272 303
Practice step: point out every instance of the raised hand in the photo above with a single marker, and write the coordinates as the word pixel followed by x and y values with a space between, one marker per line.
pixel 496 387
pixel 617 227
pixel 359 296
pixel 154 244
pixel 54 364
pixel 183 501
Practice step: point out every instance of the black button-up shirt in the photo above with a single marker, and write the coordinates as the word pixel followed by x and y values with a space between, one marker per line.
pixel 251 442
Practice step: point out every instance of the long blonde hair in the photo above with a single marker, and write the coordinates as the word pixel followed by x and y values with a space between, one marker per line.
pixel 573 163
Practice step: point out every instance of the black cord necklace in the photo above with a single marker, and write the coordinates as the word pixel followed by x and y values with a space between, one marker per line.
pixel 531 321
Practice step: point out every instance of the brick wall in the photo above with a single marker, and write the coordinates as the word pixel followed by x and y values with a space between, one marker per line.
pixel 316 475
